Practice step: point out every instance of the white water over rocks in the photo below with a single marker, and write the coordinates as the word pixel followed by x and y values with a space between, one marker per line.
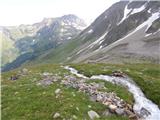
pixel 142 106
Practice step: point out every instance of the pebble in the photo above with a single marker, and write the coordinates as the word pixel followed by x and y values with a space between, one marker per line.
pixel 74 117
pixel 56 115
pixel 57 91
pixel 92 114
pixel 77 108
pixel 89 106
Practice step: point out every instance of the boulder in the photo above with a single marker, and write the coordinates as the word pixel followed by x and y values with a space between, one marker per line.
pixel 93 115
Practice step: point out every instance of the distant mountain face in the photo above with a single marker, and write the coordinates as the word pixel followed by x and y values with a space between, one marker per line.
pixel 127 32
pixel 36 38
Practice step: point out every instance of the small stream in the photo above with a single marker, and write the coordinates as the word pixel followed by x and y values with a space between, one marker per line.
pixel 142 106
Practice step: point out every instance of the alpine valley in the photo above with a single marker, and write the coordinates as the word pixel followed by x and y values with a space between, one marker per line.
pixel 62 69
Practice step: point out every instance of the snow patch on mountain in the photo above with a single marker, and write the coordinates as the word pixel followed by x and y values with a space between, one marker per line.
pixel 136 10
pixel 152 19
pixel 99 41
pixel 126 12
pixel 90 31
pixel 147 23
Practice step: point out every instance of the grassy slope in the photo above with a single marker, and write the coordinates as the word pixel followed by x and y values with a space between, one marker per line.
pixel 9 52
pixel 147 76
pixel 57 55
pixel 23 99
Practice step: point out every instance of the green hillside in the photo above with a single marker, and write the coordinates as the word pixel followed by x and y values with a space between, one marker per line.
pixel 25 99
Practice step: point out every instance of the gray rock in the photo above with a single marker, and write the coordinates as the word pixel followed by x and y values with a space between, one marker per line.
pixel 112 107
pixel 57 91
pixel 56 115
pixel 119 111
pixel 46 73
pixel 74 117
pixel 99 98
pixel 92 114
pixel 93 98
pixel 14 77
pixel 45 82
pixel 107 113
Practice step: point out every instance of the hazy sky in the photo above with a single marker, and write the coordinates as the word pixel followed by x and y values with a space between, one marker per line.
pixel 15 12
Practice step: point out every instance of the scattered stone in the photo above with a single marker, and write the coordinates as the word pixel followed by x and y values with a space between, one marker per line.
pixel 106 103
pixel 24 71
pixel 100 98
pixel 118 74
pixel 16 93
pixel 112 108
pixel 93 98
pixel 14 77
pixel 92 114
pixel 56 115
pixel 107 113
pixel 46 74
pixel 77 108
pixel 74 117
pixel 119 111
pixel 45 82
pixel 57 91
pixel 89 106
pixel 110 99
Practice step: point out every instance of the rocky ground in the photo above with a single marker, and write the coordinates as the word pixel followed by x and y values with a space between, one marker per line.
pixel 114 104
pixel 51 92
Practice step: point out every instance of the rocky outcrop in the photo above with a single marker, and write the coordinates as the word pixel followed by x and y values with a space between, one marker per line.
pixel 115 104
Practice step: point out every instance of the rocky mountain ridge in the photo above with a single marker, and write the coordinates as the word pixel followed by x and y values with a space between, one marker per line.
pixel 127 32
pixel 39 37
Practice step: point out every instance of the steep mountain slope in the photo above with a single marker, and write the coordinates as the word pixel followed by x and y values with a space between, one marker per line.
pixel 39 37
pixel 126 32
pixel 134 36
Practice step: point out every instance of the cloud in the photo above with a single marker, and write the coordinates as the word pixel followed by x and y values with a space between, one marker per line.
pixel 15 12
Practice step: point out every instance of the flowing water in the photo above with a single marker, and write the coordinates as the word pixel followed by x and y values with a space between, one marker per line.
pixel 142 106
